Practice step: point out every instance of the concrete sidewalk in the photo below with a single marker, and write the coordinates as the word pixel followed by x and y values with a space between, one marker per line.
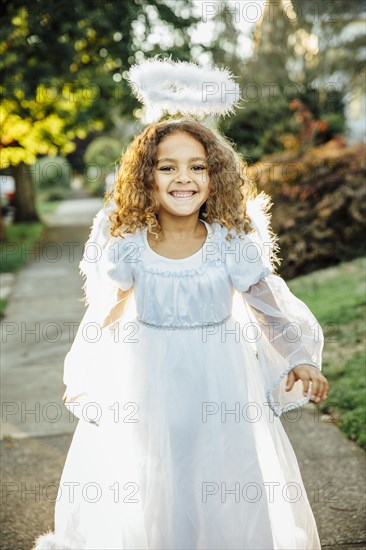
pixel 37 429
pixel 38 329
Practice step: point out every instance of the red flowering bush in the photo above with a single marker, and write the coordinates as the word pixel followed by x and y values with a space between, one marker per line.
pixel 306 129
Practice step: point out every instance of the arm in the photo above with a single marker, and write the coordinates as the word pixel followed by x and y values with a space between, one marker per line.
pixel 118 309
pixel 290 328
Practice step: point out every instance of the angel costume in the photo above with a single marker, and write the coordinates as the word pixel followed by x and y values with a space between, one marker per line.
pixel 179 443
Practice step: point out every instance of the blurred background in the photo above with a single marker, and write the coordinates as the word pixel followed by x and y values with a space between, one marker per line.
pixel 67 111
pixel 67 114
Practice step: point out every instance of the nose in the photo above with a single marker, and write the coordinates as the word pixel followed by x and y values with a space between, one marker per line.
pixel 182 177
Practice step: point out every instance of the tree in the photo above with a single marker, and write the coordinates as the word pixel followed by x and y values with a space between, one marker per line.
pixel 309 51
pixel 33 127
pixel 62 71
pixel 307 41
pixel 331 40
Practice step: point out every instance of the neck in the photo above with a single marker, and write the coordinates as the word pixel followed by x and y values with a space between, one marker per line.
pixel 180 227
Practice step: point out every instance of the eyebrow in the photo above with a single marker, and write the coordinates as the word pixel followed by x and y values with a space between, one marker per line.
pixel 165 159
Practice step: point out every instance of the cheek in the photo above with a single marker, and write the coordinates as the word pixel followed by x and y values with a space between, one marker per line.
pixel 161 186
pixel 206 181
pixel 157 182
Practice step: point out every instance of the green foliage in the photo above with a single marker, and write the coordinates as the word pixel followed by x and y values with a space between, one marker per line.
pixel 345 282
pixel 319 204
pixel 30 130
pixel 336 296
pixel 45 205
pixel 2 307
pixel 289 54
pixel 62 66
pixel 336 123
pixel 344 55
pixel 15 251
pixel 103 152
pixel 259 128
pixel 347 398
pixel 55 195
pixel 52 172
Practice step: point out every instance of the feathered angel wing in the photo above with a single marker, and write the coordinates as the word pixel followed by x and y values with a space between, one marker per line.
pixel 91 264
pixel 100 290
pixel 100 296
pixel 258 209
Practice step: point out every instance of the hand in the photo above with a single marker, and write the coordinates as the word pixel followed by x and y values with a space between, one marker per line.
pixel 307 373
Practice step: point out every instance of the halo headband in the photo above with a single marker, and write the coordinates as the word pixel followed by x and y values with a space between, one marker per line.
pixel 179 87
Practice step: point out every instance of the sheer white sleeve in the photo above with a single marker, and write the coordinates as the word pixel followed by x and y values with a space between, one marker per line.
pixel 288 334
pixel 285 332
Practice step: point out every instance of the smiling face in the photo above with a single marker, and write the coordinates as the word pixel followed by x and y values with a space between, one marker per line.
pixel 181 174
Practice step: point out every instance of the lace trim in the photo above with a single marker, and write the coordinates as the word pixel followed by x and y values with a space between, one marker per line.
pixel 217 235
pixel 181 273
pixel 184 327
pixel 294 404
pixel 214 235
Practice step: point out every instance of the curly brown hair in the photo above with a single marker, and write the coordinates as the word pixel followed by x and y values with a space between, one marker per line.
pixel 134 192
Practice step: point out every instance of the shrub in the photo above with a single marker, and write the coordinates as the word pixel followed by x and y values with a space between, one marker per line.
pixel 268 124
pixel 55 195
pixel 52 172
pixel 103 152
pixel 319 204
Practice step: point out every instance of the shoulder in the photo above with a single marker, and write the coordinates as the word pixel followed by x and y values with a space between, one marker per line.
pixel 125 248
pixel 122 257
pixel 243 253
pixel 261 243
pixel 232 239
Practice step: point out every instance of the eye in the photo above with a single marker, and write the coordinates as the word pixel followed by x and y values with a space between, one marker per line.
pixel 198 168
pixel 166 168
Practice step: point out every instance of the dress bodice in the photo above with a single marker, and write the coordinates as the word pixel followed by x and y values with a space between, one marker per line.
pixel 187 292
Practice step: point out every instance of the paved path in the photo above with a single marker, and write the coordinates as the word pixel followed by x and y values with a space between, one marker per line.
pixel 35 444
pixel 38 329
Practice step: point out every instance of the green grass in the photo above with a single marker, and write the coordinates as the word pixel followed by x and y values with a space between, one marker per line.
pixel 2 307
pixel 336 296
pixel 21 238
pixel 46 207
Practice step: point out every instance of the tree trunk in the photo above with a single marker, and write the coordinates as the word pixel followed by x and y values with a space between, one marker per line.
pixel 25 206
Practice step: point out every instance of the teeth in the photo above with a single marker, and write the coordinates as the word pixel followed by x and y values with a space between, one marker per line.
pixel 178 194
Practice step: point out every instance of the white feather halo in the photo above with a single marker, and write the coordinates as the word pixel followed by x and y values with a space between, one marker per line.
pixel 179 87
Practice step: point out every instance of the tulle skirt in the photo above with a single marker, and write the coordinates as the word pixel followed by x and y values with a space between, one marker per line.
pixel 182 452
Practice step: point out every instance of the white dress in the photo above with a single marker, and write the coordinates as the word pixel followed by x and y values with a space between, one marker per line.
pixel 184 447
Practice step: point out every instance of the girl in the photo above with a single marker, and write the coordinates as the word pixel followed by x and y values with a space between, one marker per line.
pixel 179 367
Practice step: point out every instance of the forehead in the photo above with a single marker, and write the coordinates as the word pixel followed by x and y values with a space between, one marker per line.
pixel 180 144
